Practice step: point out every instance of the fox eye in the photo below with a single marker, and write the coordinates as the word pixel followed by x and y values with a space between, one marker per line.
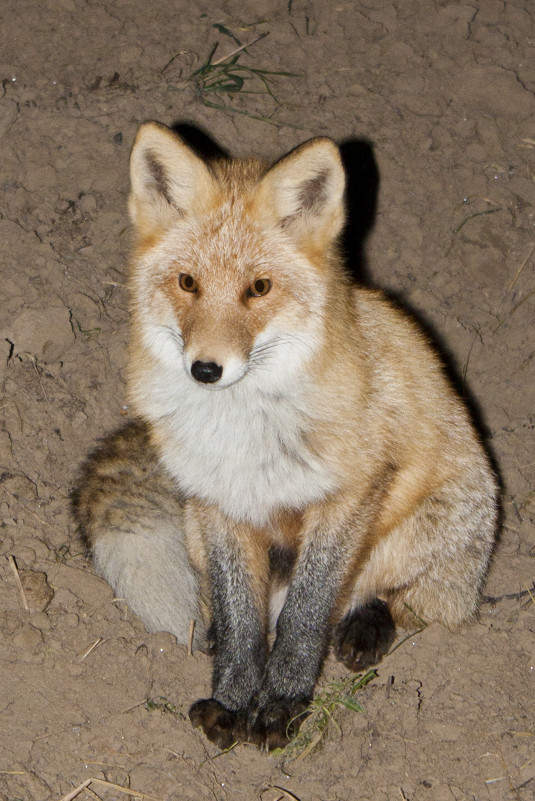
pixel 187 282
pixel 260 287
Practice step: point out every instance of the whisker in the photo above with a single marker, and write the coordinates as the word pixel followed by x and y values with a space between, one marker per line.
pixel 277 341
pixel 158 333
pixel 174 333
pixel 259 357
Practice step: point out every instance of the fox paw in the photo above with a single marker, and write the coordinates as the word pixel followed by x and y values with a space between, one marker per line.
pixel 364 635
pixel 222 726
pixel 276 724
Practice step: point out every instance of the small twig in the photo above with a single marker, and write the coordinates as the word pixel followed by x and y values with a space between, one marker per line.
pixel 512 284
pixel 15 570
pixel 456 230
pixel 238 50
pixel 91 648
pixel 517 275
pixel 38 374
pixel 180 53
pixel 190 637
pixel 520 302
pixel 134 706
pixel 285 793
pixel 405 638
pixel 512 596
pixel 76 791
pixel 226 750
pixel 118 787
pixel 311 746
pixel 473 216
pixel 125 790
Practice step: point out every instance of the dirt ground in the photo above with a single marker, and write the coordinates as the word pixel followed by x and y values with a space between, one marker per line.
pixel 444 93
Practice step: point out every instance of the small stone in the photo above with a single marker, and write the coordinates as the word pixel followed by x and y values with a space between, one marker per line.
pixel 46 334
pixel 37 590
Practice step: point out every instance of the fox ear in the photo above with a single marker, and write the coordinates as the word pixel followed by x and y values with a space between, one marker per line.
pixel 167 180
pixel 304 192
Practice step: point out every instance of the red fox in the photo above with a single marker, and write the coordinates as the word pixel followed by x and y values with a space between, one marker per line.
pixel 300 456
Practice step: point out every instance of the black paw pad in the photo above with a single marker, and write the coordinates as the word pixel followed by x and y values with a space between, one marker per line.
pixel 277 723
pixel 364 635
pixel 220 725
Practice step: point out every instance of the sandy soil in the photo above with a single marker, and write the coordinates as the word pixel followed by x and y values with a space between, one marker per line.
pixel 444 93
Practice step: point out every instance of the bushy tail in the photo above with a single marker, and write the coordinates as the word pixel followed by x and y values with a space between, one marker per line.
pixel 131 516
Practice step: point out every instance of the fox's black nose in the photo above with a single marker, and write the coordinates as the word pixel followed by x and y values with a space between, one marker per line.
pixel 207 372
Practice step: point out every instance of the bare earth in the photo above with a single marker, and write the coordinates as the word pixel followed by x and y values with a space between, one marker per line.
pixel 444 91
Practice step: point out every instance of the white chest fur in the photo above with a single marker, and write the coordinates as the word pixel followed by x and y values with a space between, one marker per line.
pixel 244 451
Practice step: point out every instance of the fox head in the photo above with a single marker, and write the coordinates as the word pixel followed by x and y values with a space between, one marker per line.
pixel 234 260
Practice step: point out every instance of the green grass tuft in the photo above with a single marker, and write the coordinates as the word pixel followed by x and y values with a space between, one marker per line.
pixel 226 76
pixel 322 714
pixel 163 704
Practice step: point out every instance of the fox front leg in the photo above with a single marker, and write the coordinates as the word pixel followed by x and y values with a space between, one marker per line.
pixel 303 635
pixel 238 577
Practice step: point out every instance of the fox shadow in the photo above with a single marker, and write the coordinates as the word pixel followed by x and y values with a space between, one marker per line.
pixel 362 193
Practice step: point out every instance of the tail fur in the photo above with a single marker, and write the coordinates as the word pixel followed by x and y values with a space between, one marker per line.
pixel 131 515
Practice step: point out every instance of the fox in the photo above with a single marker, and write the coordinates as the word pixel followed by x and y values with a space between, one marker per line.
pixel 300 473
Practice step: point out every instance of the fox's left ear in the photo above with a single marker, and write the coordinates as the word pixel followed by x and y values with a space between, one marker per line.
pixel 304 193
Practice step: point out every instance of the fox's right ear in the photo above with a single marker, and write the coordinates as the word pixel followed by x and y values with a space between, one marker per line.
pixel 167 180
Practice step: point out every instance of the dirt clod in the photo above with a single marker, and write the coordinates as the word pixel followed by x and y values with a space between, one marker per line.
pixel 37 590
